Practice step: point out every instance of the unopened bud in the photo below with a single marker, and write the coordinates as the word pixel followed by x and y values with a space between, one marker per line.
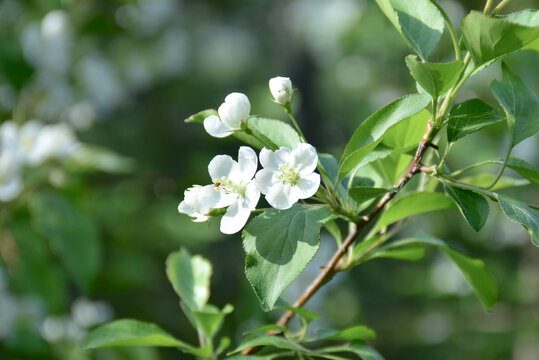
pixel 281 89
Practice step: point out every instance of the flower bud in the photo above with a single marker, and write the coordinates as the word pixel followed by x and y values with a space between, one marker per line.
pixel 281 89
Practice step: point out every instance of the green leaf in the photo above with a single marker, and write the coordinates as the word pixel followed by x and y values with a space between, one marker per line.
pixel 268 340
pixel 526 17
pixel 190 278
pixel 473 206
pixel 474 270
pixel 372 130
pixel 358 347
pixel 435 78
pixel 405 135
pixel 266 328
pixel 360 194
pixel 358 332
pixel 210 319
pixel 413 204
pixel 524 169
pixel 223 345
pixel 276 133
pixel 129 332
pixel 523 214
pixel 400 251
pixel 470 116
pixel 489 38
pixel 279 244
pixel 419 22
pixel 201 115
pixel 484 180
pixel 72 236
pixel 333 228
pixel 521 105
pixel 392 167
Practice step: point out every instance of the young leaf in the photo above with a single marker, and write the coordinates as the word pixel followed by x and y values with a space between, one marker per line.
pixel 400 251
pixel 470 116
pixel 524 169
pixel 523 214
pixel 435 78
pixel 413 204
pixel 73 236
pixel 279 244
pixel 419 22
pixel 210 319
pixel 484 180
pixel 200 116
pixel 129 332
pixel 360 194
pixel 268 340
pixel 190 278
pixel 276 133
pixel 357 347
pixel 406 134
pixel 393 166
pixel 473 269
pixel 358 332
pixel 473 206
pixel 266 328
pixel 519 102
pixel 489 38
pixel 527 17
pixel 372 130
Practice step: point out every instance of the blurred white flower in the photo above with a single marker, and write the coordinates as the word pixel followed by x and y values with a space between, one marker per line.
pixel 232 113
pixel 234 180
pixel 281 89
pixel 53 142
pixel 199 201
pixel 288 175
pixel 11 183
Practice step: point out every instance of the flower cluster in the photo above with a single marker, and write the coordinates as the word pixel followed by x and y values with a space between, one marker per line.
pixel 30 144
pixel 287 175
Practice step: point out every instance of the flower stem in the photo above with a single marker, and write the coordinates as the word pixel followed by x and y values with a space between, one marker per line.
pixel 288 110
pixel 500 6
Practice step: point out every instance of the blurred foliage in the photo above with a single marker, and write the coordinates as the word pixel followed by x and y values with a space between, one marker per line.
pixel 126 73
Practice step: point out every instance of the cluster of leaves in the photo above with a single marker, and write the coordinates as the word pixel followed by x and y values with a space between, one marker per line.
pixel 369 180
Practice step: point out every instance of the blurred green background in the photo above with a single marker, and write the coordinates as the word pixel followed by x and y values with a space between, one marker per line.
pixel 125 74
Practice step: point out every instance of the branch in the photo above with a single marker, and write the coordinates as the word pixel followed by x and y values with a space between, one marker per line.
pixel 330 269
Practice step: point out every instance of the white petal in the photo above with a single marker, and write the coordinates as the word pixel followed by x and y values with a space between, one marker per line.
pixel 215 127
pixel 273 159
pixel 207 198
pixel 247 163
pixel 265 180
pixel 11 188
pixel 304 159
pixel 281 196
pixel 307 186
pixel 235 218
pixel 226 200
pixel 252 195
pixel 221 166
pixel 281 89
pixel 234 110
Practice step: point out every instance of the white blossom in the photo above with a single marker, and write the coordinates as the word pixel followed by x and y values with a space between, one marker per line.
pixel 233 188
pixel 288 175
pixel 232 113
pixel 234 180
pixel 11 183
pixel 281 89
pixel 199 201
pixel 53 142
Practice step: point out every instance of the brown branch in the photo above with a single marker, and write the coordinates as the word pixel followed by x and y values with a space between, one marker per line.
pixel 330 269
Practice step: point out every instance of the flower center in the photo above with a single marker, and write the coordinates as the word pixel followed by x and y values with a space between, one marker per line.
pixel 226 186
pixel 288 175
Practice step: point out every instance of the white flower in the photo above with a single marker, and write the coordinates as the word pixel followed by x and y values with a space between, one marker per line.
pixel 233 187
pixel 234 180
pixel 53 142
pixel 10 177
pixel 199 201
pixel 281 89
pixel 288 175
pixel 232 113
